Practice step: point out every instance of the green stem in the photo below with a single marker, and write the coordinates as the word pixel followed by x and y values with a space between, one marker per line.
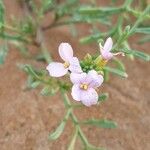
pixel 73 140
pixel 141 18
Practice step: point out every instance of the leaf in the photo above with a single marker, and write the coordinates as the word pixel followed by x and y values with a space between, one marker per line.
pixel 91 38
pixel 58 131
pixel 2 11
pixel 104 123
pixel 145 30
pixel 100 10
pixel 116 71
pixel 30 70
pixel 119 64
pixel 106 75
pixel 46 4
pixel 102 97
pixel 48 91
pixel 3 53
pixel 138 54
pixel 60 128
pixel 12 37
pixel 35 84
pixel 73 140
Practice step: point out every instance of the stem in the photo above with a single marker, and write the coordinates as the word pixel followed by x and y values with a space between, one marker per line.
pixel 136 13
pixel 141 18
pixel 57 24
pixel 76 122
pixel 73 140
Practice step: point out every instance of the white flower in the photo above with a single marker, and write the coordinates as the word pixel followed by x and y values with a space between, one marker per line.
pixel 57 69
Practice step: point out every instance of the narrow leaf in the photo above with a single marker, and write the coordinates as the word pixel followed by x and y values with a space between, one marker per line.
pixel 102 97
pixel 56 134
pixel 105 10
pixel 58 131
pixel 73 140
pixel 1 14
pixel 138 54
pixel 35 84
pixel 104 123
pixel 119 64
pixel 145 30
pixel 3 53
pixel 116 71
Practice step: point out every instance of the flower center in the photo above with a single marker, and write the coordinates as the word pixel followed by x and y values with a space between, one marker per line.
pixel 66 64
pixel 84 86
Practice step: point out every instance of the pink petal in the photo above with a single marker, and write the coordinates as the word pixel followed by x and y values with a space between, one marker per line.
pixel 77 78
pixel 94 79
pixel 89 97
pixel 76 92
pixel 106 55
pixel 75 65
pixel 108 45
pixel 56 69
pixel 65 51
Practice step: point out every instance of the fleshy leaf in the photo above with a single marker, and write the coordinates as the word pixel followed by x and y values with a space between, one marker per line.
pixel 102 97
pixel 58 131
pixel 104 123
pixel 116 71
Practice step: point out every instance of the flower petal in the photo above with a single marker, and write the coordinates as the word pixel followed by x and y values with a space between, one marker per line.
pixel 76 92
pixel 77 78
pixel 108 45
pixel 65 51
pixel 56 69
pixel 94 79
pixel 107 55
pixel 89 97
pixel 75 65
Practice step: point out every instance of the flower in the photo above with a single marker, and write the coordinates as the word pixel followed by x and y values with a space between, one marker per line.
pixel 57 69
pixel 84 87
pixel 106 49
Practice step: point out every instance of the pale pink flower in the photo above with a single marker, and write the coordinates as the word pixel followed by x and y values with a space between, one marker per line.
pixel 57 69
pixel 106 49
pixel 84 87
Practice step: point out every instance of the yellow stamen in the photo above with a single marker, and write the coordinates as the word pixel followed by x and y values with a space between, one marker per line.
pixel 66 64
pixel 84 86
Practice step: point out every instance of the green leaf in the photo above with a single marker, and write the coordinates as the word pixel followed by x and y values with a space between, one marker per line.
pixel 116 71
pixel 45 91
pixel 92 147
pixel 104 10
pixel 92 38
pixel 46 4
pixel 102 97
pixel 56 134
pixel 2 9
pixel 31 72
pixel 58 131
pixel 48 91
pixel 35 84
pixel 3 53
pixel 106 75
pixel 119 64
pixel 138 54
pixel 143 30
pixel 73 140
pixel 12 37
pixel 104 123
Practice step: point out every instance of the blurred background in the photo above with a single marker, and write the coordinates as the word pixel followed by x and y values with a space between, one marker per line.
pixel 26 117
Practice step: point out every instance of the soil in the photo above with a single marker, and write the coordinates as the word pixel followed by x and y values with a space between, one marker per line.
pixel 26 117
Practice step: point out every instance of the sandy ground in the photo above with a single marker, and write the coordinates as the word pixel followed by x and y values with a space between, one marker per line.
pixel 26 117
